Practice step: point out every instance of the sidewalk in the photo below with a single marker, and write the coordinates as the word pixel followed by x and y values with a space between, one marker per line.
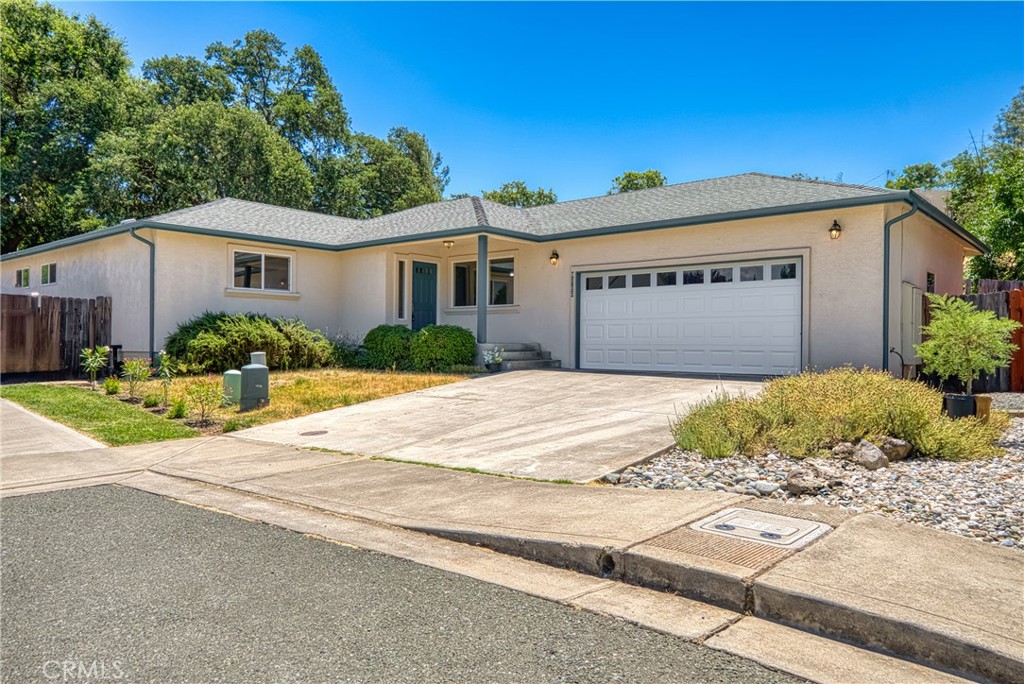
pixel 920 593
pixel 24 432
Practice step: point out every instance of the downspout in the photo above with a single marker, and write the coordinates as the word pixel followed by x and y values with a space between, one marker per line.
pixel 152 291
pixel 887 241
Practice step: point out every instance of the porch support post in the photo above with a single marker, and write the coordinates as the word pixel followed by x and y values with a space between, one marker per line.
pixel 482 271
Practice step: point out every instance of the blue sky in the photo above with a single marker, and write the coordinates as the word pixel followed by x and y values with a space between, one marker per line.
pixel 569 95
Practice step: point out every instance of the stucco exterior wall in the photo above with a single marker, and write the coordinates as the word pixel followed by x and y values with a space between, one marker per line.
pixel 921 246
pixel 194 272
pixel 115 267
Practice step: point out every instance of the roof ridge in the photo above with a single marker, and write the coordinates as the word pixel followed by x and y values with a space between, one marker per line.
pixel 478 211
pixel 819 181
pixel 660 187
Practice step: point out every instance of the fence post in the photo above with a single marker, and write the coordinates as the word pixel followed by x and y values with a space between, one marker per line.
pixel 1017 362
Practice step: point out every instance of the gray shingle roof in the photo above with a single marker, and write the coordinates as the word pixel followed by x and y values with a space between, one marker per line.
pixel 704 198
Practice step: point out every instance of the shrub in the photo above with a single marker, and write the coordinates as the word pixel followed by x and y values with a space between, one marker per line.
pixel 806 414
pixel 467 369
pixel 389 347
pixel 111 386
pixel 963 342
pixel 179 407
pixel 204 396
pixel 348 353
pixel 134 372
pixel 93 361
pixel 166 370
pixel 439 347
pixel 216 342
pixel 233 424
pixel 151 401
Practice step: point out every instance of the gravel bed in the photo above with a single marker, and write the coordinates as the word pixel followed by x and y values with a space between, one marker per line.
pixel 982 499
pixel 1007 401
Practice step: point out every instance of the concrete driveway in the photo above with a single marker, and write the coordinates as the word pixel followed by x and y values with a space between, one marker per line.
pixel 545 424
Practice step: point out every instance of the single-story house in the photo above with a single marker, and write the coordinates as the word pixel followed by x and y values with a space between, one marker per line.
pixel 748 274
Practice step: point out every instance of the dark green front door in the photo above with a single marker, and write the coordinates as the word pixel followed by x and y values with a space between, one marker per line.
pixel 424 294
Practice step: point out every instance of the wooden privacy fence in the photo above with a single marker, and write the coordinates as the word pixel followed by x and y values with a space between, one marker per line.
pixel 1005 304
pixel 990 286
pixel 46 334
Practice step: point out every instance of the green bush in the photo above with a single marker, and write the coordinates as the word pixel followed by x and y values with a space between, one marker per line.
pixel 348 352
pixel 807 414
pixel 134 372
pixel 112 386
pixel 178 409
pixel 151 401
pixel 962 342
pixel 204 397
pixel 216 342
pixel 439 347
pixel 389 347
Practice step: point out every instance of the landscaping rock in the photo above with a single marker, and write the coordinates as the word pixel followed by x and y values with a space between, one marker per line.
pixel 844 450
pixel 766 488
pixel 895 449
pixel 865 454
pixel 810 478
pixel 612 478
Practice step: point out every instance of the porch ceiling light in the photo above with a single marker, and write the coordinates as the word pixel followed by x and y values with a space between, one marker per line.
pixel 835 231
pixel 554 258
pixel 448 244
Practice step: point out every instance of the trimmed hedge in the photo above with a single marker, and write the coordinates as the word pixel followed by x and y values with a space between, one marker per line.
pixel 216 342
pixel 439 347
pixel 389 347
pixel 434 348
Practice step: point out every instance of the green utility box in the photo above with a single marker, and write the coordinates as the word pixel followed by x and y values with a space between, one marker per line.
pixel 232 386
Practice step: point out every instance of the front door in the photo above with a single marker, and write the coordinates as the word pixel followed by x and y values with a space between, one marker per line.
pixel 424 294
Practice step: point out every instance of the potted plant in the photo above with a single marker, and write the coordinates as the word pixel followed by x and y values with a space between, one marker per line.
pixel 961 343
pixel 493 359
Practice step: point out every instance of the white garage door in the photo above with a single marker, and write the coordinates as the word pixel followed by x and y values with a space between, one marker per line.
pixel 740 318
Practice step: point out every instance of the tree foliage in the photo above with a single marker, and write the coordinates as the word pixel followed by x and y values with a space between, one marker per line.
pixel 987 194
pixel 637 180
pixel 86 144
pixel 517 194
pixel 926 175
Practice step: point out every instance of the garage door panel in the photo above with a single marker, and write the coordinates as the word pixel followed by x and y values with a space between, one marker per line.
pixel 743 326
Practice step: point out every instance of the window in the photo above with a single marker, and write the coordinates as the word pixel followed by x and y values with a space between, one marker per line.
pixel 751 273
pixel 258 271
pixel 596 283
pixel 48 274
pixel 783 271
pixel 695 277
pixel 641 280
pixel 930 283
pixel 401 289
pixel 616 282
pixel 21 277
pixel 501 285
pixel 666 278
pixel 721 275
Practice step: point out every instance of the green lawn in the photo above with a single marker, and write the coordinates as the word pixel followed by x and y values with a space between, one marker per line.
pixel 99 416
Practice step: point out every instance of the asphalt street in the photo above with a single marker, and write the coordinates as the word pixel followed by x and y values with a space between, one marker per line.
pixel 112 584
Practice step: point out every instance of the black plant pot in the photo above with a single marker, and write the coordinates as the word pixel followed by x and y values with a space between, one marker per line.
pixel 493 367
pixel 958 405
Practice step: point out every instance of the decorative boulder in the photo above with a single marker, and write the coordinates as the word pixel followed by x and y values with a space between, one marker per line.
pixel 865 454
pixel 895 449
pixel 809 478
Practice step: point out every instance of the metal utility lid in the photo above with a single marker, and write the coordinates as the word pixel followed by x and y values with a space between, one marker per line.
pixel 764 528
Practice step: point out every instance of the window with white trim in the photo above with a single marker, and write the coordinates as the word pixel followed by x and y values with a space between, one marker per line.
pixel 262 271
pixel 21 277
pixel 401 290
pixel 501 282
pixel 48 274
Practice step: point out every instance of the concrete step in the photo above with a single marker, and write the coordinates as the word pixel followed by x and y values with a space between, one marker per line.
pixel 509 346
pixel 530 365
pixel 525 355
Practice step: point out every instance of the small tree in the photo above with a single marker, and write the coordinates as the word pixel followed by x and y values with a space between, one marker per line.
pixel 964 342
pixel 134 372
pixel 93 361
pixel 204 396
pixel 165 371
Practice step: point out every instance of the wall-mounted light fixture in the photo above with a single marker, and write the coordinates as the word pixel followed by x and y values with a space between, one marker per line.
pixel 448 244
pixel 835 231
pixel 554 258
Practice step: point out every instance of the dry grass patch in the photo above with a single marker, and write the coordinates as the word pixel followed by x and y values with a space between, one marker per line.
pixel 299 393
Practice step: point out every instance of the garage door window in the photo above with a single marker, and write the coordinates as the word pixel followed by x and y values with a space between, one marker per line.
pixel 783 271
pixel 641 280
pixel 595 283
pixel 693 277
pixel 666 278
pixel 616 282
pixel 721 275
pixel 751 273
